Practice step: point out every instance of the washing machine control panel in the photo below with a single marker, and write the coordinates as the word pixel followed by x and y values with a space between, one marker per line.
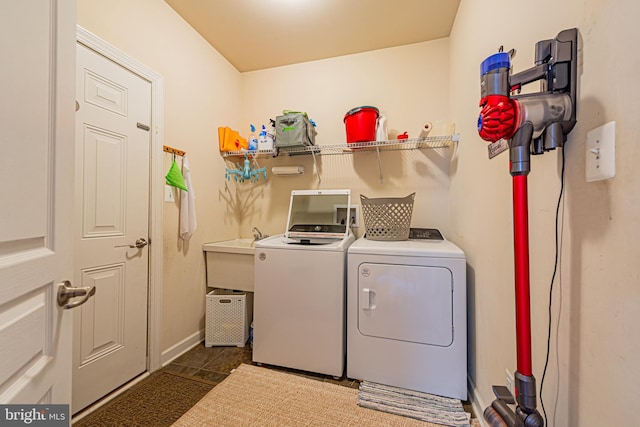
pixel 425 234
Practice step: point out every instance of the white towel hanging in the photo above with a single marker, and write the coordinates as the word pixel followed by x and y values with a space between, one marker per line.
pixel 188 220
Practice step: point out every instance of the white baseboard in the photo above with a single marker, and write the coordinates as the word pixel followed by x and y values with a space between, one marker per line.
pixel 182 347
pixel 477 403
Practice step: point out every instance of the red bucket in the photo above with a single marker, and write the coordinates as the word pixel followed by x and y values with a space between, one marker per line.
pixel 360 123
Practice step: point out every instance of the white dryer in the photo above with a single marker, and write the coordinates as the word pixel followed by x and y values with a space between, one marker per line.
pixel 406 314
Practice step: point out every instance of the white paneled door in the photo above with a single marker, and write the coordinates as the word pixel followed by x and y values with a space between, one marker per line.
pixel 112 228
pixel 36 173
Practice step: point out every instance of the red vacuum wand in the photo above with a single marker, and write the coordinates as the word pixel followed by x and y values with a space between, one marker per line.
pixel 532 124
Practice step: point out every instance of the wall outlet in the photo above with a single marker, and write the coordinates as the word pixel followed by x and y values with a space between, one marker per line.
pixel 340 215
pixel 509 383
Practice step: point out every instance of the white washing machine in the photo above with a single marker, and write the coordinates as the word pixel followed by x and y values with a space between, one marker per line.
pixel 406 314
pixel 300 287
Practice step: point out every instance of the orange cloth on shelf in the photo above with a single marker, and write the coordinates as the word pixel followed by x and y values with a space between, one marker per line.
pixel 230 140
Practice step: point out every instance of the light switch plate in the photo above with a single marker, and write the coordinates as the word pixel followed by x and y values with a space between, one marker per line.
pixel 169 195
pixel 601 152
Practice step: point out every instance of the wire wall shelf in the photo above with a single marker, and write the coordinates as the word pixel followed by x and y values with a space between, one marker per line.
pixel 352 148
pixel 342 149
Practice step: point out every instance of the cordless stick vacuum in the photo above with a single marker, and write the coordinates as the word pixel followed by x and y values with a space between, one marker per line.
pixel 532 124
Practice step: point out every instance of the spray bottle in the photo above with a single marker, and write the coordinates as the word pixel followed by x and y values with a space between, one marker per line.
pixel 253 139
pixel 264 141
pixel 271 133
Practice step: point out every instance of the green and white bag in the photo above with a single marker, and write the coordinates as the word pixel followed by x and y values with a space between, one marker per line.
pixel 293 129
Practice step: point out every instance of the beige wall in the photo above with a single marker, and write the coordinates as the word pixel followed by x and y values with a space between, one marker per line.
pixel 593 374
pixel 409 85
pixel 201 90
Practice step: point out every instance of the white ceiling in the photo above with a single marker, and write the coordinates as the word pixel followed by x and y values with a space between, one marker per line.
pixel 258 34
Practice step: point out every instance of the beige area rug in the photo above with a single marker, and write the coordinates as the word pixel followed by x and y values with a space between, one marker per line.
pixel 256 396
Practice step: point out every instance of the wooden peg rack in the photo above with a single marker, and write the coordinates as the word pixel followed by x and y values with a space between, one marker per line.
pixel 172 150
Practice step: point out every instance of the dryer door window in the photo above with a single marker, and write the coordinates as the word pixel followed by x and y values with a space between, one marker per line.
pixel 406 303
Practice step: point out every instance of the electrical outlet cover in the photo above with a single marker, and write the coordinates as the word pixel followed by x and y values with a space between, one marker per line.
pixel 340 214
pixel 601 152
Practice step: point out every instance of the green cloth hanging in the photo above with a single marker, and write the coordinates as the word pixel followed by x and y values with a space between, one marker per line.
pixel 174 177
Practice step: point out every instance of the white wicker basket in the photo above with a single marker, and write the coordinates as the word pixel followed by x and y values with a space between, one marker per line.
pixel 387 218
pixel 228 317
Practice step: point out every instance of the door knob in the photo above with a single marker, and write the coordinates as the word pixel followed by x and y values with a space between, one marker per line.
pixel 140 243
pixel 67 292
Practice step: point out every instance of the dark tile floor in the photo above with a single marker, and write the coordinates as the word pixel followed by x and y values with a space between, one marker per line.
pixel 216 363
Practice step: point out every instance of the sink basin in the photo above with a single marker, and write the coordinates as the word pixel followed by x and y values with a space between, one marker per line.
pixel 234 246
pixel 230 264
